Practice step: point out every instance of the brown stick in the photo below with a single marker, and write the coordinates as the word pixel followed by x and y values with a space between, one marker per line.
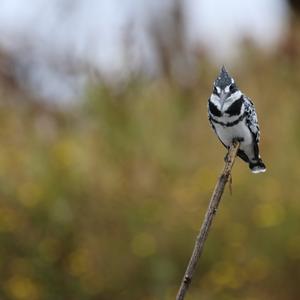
pixel 212 209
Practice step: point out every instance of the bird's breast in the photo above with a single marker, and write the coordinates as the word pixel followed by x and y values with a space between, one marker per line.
pixel 228 133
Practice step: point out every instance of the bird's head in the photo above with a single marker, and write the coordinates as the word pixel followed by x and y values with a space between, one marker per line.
pixel 224 88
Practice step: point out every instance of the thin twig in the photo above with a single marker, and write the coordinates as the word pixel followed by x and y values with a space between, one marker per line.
pixel 212 209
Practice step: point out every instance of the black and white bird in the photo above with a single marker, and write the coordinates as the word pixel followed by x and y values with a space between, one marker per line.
pixel 232 116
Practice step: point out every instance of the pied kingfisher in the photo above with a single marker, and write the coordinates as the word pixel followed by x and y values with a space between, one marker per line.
pixel 232 116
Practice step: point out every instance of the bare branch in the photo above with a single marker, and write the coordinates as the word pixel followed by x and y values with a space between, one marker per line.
pixel 211 211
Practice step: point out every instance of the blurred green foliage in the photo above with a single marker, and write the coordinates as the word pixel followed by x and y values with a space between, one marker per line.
pixel 104 200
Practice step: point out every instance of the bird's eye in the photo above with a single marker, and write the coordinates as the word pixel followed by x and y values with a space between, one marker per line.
pixel 232 88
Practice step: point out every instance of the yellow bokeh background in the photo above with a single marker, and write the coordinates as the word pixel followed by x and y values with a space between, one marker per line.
pixel 104 200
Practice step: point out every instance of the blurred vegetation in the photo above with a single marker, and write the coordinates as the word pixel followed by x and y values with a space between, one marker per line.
pixel 104 200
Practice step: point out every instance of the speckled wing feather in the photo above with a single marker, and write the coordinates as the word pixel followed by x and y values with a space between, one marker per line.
pixel 251 118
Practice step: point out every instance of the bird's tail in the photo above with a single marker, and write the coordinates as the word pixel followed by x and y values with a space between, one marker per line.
pixel 257 167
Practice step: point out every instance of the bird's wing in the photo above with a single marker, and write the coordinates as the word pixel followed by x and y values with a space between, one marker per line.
pixel 251 119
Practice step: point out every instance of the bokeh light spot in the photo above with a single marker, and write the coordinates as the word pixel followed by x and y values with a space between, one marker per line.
pixel 79 262
pixel 22 288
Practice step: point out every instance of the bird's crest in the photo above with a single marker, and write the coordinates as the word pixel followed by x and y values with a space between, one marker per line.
pixel 223 79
